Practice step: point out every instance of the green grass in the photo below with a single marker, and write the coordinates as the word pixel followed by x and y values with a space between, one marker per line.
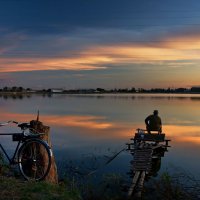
pixel 12 188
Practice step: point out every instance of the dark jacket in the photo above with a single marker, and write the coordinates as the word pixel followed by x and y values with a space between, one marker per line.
pixel 153 123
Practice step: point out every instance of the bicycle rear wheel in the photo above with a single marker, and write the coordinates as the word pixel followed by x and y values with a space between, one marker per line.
pixel 34 158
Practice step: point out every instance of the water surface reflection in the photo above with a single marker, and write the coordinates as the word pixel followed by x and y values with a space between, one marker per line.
pixel 88 124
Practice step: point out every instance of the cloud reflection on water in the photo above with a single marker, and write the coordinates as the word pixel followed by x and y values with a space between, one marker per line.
pixel 183 133
pixel 99 126
pixel 89 122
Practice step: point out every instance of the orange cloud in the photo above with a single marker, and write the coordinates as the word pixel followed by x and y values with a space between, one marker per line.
pixel 97 57
pixel 30 64
pixel 145 54
pixel 190 42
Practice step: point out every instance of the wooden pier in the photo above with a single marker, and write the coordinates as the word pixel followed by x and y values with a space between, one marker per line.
pixel 146 149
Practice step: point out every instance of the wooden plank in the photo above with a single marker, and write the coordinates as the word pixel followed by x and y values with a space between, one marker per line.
pixel 150 137
pixel 142 160
pixel 141 163
pixel 145 156
pixel 144 151
pixel 133 184
pixel 140 186
pixel 141 167
pixel 138 158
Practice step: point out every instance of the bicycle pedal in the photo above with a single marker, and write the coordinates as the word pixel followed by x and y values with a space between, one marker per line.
pixel 34 168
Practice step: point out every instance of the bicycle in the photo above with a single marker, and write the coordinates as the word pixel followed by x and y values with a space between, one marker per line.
pixel 32 154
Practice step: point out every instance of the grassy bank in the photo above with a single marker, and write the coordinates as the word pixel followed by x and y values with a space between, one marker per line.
pixel 179 186
pixel 12 188
pixel 164 187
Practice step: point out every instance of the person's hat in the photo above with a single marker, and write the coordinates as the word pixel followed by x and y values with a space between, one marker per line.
pixel 155 112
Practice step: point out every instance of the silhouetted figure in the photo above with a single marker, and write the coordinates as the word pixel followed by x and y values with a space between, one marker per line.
pixel 153 122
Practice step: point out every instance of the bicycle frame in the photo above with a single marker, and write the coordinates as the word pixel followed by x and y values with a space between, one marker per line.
pixel 10 159
pixel 35 166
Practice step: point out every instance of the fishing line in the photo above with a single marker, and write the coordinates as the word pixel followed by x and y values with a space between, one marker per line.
pixel 109 161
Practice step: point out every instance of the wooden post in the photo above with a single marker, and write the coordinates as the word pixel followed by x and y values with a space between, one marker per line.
pixel 52 177
pixel 138 194
pixel 133 184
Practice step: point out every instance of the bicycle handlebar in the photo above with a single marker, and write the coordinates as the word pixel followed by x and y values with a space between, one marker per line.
pixel 32 132
pixel 22 125
pixel 5 123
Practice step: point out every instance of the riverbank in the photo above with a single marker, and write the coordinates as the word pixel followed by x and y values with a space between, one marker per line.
pixel 113 187
pixel 12 188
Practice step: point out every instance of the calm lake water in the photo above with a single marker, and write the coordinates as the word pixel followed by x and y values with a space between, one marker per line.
pixel 89 129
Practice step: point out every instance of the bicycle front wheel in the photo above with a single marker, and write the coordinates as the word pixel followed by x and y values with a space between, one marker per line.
pixel 34 158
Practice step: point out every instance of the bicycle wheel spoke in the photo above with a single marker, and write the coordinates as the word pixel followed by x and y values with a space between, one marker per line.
pixel 40 171
pixel 35 160
pixel 35 171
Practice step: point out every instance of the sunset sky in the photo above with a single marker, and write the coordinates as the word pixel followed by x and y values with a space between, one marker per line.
pixel 99 43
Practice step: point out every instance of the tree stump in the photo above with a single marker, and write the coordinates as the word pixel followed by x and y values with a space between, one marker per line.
pixel 52 176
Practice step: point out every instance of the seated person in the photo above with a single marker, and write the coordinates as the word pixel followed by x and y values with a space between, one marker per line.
pixel 153 122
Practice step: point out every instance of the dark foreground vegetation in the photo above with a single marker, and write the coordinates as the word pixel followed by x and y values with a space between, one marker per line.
pixel 174 185
pixel 179 186
pixel 15 189
pixel 163 188
pixel 82 186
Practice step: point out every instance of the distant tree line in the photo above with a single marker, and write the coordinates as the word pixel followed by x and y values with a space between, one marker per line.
pixel 15 89
pixel 20 89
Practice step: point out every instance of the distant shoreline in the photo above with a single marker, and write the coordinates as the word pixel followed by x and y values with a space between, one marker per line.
pixel 20 90
pixel 95 93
